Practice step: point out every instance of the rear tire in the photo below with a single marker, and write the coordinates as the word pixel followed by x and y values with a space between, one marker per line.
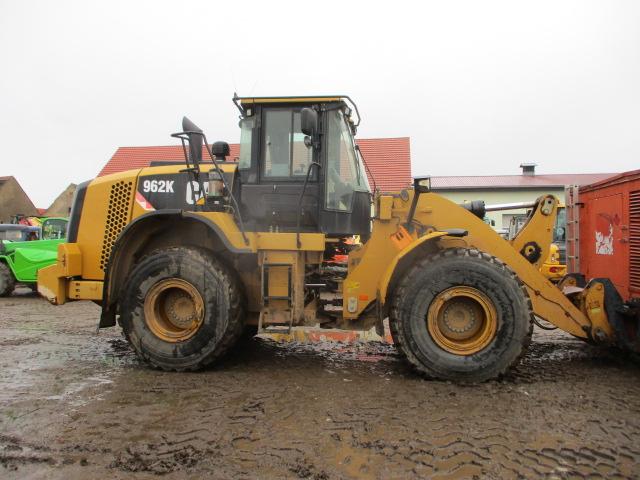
pixel 461 315
pixel 181 309
pixel 7 280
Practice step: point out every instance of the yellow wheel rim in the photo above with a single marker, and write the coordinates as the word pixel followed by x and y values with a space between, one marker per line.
pixel 462 320
pixel 173 310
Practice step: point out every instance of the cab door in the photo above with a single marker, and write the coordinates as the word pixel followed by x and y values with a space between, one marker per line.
pixel 272 201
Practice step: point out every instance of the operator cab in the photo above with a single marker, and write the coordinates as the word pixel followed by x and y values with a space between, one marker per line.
pixel 299 163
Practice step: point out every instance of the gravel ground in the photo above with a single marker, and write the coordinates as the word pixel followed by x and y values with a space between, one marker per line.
pixel 79 405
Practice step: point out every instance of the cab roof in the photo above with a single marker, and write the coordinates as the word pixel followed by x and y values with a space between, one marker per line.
pixel 309 99
pixel 4 227
pixel 242 102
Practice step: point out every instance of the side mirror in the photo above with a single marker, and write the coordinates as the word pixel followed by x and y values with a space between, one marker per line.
pixel 195 140
pixel 220 150
pixel 309 121
pixel 422 185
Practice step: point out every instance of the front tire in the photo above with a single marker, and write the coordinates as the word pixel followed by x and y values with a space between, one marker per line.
pixel 461 315
pixel 182 309
pixel 7 280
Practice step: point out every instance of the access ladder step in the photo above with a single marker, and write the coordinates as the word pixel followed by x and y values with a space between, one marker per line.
pixel 279 329
pixel 269 270
pixel 274 327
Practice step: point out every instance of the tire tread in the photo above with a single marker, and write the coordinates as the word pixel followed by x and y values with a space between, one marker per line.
pixel 236 311
pixel 398 335
pixel 7 280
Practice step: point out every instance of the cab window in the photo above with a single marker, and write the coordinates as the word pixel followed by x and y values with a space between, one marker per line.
pixel 559 232
pixel 246 134
pixel 11 235
pixel 344 174
pixel 54 229
pixel 285 153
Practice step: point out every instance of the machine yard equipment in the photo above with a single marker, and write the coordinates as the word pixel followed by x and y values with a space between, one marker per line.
pixel 186 258
pixel 555 265
pixel 26 246
pixel 604 231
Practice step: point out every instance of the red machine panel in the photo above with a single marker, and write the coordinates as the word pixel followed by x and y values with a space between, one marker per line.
pixel 608 244
pixel 603 246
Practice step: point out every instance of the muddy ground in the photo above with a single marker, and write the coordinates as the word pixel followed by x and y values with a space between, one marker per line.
pixel 79 405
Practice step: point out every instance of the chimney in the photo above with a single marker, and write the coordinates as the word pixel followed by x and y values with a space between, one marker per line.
pixel 528 169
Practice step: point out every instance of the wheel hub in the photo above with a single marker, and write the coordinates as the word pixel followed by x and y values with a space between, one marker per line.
pixel 173 310
pixel 181 310
pixel 459 318
pixel 462 320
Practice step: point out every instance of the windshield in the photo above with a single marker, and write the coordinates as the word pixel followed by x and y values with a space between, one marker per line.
pixel 362 172
pixel 345 173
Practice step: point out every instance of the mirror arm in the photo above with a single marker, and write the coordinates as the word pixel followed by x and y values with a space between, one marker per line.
pixel 195 169
pixel 414 203
pixel 227 188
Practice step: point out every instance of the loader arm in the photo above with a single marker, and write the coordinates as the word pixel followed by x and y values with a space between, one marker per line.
pixel 375 266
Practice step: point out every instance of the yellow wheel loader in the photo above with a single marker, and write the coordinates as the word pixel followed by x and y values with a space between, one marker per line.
pixel 187 257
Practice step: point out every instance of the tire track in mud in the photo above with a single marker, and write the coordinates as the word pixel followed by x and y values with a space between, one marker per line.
pixel 376 437
pixel 15 452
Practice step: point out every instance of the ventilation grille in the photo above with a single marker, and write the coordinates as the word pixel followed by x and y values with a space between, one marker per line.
pixel 117 218
pixel 634 240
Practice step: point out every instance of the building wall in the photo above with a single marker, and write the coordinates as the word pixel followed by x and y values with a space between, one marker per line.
pixel 62 204
pixel 503 195
pixel 13 200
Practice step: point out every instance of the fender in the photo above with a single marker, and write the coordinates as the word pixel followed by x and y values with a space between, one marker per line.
pixel 383 284
pixel 128 237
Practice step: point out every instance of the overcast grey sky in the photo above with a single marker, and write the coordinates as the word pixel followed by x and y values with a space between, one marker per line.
pixel 478 86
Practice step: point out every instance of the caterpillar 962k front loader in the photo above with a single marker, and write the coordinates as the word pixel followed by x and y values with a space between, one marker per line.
pixel 187 258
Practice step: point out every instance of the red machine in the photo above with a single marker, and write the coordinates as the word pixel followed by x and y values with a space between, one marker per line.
pixel 603 231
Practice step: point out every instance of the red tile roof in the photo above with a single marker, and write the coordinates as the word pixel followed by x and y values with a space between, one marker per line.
pixel 516 181
pixel 388 159
pixel 128 158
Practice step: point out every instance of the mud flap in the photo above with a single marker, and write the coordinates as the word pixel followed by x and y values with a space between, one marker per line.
pixel 624 319
pixel 107 318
